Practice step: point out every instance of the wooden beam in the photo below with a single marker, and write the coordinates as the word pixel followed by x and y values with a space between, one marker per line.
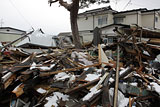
pixel 70 69
pixel 71 91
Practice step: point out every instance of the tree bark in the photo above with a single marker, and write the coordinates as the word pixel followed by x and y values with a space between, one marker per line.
pixel 74 25
pixel 73 9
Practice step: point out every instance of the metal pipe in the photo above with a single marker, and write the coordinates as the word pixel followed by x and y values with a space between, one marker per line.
pixel 117 79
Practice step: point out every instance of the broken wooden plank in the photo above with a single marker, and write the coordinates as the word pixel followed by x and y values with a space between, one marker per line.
pixel 71 91
pixel 70 69
pixel 9 81
pixel 18 91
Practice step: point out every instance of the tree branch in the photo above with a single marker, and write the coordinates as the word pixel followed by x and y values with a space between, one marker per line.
pixel 50 2
pixel 65 4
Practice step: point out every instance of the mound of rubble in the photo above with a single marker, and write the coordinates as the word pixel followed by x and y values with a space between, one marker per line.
pixel 81 77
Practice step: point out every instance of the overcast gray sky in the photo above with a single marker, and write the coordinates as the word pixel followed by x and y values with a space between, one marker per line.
pixel 24 14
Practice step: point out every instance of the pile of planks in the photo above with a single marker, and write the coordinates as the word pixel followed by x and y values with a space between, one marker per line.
pixel 81 77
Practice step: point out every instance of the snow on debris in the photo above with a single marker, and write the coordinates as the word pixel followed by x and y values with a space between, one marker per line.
pixel 40 90
pixel 91 77
pixel 111 79
pixel 123 70
pixel 134 84
pixel 82 57
pixel 86 69
pixel 53 100
pixel 62 76
pixel 122 100
pixel 34 66
pixel 92 92
pixel 146 53
pixel 156 86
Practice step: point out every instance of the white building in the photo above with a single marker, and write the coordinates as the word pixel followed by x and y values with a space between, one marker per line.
pixel 9 34
pixel 107 19
pixel 106 16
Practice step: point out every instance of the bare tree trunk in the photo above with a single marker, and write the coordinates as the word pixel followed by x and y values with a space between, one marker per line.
pixel 74 25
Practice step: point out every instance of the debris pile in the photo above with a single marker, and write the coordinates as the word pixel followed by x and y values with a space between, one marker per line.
pixel 72 77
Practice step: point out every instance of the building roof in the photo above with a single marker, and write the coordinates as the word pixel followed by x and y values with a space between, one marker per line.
pixel 103 9
pixel 12 28
pixel 123 25
pixel 38 38
pixel 97 10
pixel 150 10
pixel 134 10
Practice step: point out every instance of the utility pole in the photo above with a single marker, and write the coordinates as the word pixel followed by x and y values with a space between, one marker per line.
pixel 1 22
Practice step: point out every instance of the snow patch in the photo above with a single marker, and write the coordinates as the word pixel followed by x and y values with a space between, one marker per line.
pixel 146 53
pixel 42 91
pixel 134 84
pixel 61 76
pixel 123 70
pixel 53 100
pixel 33 66
pixel 93 91
pixel 111 80
pixel 156 86
pixel 91 77
pixel 122 100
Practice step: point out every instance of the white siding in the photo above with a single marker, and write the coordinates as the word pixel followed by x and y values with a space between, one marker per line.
pixel 157 24
pixel 11 31
pixel 144 19
pixel 109 20
pixel 88 24
pixel 131 19
pixel 85 23
pixel 9 38
pixel 140 19
pixel 148 20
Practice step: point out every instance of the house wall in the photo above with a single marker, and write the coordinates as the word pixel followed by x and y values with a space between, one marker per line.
pixel 109 20
pixel 87 37
pixel 133 18
pixel 143 19
pixel 108 31
pixel 157 24
pixel 148 20
pixel 139 19
pixel 11 31
pixel 85 23
pixel 9 38
pixel 91 21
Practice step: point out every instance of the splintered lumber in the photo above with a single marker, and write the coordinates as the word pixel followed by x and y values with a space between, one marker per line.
pixel 9 81
pixel 139 71
pixel 18 90
pixel 70 69
pixel 74 62
pixel 102 56
pixel 71 91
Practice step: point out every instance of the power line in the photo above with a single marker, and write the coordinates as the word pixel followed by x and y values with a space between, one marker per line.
pixel 129 2
pixel 20 13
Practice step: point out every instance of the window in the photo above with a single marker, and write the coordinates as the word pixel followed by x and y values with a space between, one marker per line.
pixel 102 20
pixel 118 20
